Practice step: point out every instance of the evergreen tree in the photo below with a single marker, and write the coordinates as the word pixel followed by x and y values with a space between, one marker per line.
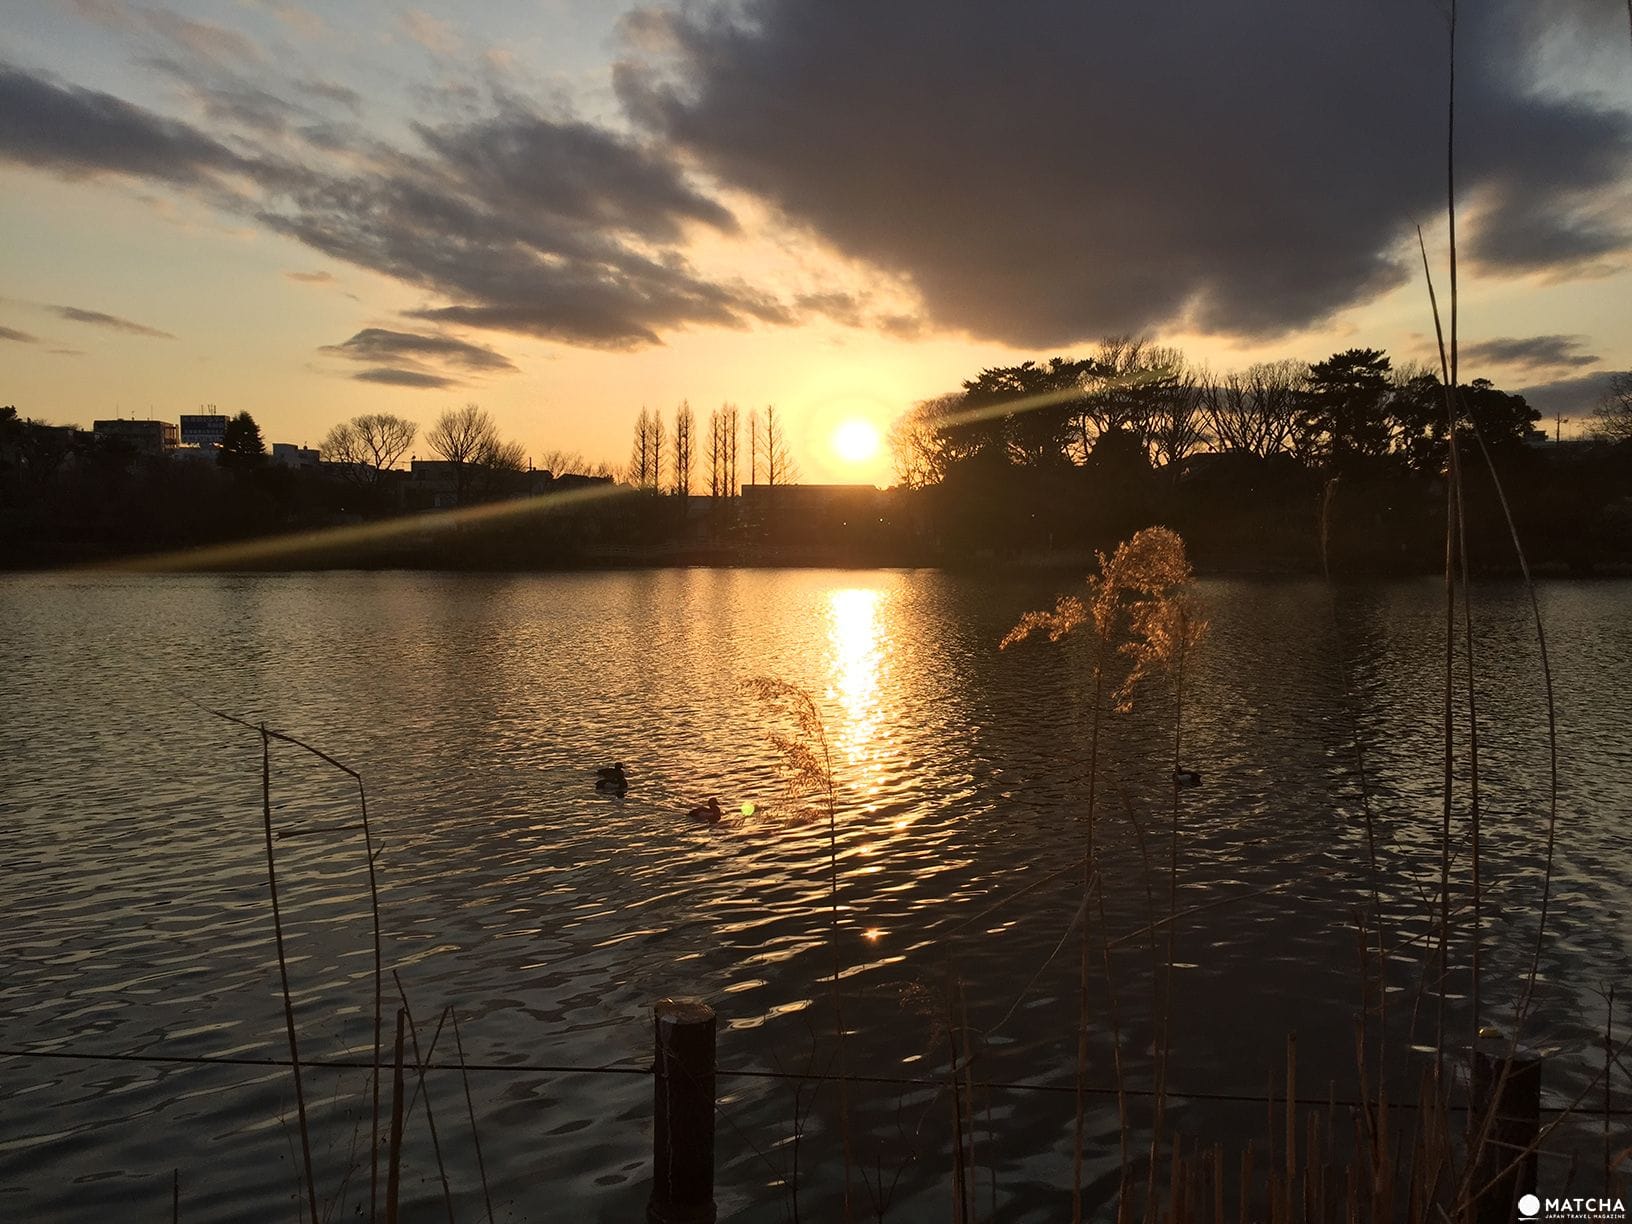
pixel 241 444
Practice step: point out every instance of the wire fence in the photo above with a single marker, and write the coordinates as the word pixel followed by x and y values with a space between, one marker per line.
pixel 745 1073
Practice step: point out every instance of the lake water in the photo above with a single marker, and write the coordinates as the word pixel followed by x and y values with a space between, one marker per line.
pixel 551 917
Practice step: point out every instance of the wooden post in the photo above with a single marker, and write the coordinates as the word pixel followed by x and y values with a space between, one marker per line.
pixel 683 1114
pixel 1512 1100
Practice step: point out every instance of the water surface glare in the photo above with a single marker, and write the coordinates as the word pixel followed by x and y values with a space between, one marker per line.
pixel 551 916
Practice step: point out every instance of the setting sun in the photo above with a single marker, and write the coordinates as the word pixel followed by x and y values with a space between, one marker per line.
pixel 856 441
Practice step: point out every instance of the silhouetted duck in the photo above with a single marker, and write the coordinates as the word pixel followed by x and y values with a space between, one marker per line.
pixel 1186 777
pixel 611 779
pixel 709 813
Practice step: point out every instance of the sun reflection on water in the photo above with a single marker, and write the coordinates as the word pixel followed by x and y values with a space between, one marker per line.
pixel 858 663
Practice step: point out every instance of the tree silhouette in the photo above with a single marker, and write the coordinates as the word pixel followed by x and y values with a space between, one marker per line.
pixel 468 438
pixel 644 457
pixel 368 446
pixel 730 431
pixel 558 462
pixel 1253 411
pixel 1612 418
pixel 683 459
pixel 1175 425
pixel 1345 420
pixel 919 444
pixel 715 458
pixel 780 468
pixel 241 444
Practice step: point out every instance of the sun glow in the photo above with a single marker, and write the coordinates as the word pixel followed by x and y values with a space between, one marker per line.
pixel 856 441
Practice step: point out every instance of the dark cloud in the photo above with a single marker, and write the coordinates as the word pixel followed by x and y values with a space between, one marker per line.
pixel 77 132
pixel 405 378
pixel 858 311
pixel 330 91
pixel 527 163
pixel 840 307
pixel 1532 352
pixel 377 344
pixel 518 222
pixel 1072 170
pixel 1574 397
pixel 241 104
pixel 551 271
pixel 200 40
pixel 311 278
pixel 112 322
pixel 17 337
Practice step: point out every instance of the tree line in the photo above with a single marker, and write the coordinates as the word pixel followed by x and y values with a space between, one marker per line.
pixel 666 460
pixel 1283 465
pixel 1353 412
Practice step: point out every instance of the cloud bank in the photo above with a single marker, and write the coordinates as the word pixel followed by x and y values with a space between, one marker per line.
pixel 97 318
pixel 1065 172
pixel 1073 169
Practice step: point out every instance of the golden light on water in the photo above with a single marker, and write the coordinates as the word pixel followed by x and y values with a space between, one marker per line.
pixel 858 657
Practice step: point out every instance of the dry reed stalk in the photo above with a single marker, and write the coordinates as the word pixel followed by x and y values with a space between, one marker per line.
pixel 283 973
pixel 1179 631
pixel 430 1113
pixel 960 1170
pixel 1175 1180
pixel 394 1170
pixel 1125 1126
pixel 470 1110
pixel 430 1056
pixel 1372 871
pixel 1077 1136
pixel 1609 1032
pixel 1245 1191
pixel 966 1041
pixel 808 764
pixel 1544 1133
pixel 374 910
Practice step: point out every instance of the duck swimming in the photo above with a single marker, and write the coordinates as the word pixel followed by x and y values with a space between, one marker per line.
pixel 709 813
pixel 1186 777
pixel 611 779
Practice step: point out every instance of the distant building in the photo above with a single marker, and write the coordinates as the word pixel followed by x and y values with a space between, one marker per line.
pixel 287 454
pixel 829 514
pixel 837 502
pixel 144 437
pixel 207 452
pixel 433 484
pixel 568 481
pixel 206 429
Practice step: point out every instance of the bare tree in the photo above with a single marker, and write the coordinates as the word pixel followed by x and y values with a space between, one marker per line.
pixel 468 438
pixel 919 443
pixel 731 432
pixel 716 453
pixel 1119 369
pixel 753 447
pixel 780 469
pixel 368 446
pixel 558 462
pixel 1252 412
pixel 657 450
pixel 1612 418
pixel 683 422
pixel 643 459
pixel 1176 424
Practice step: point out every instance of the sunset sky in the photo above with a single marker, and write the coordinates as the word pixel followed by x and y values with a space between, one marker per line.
pixel 566 210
